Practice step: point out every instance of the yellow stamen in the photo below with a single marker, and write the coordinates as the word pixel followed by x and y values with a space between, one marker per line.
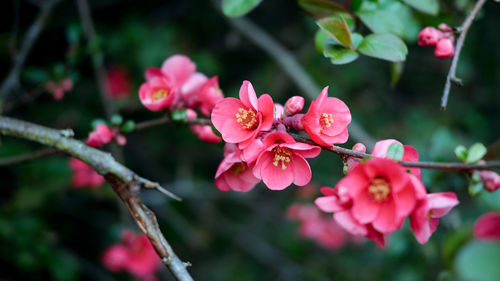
pixel 159 94
pixel 246 118
pixel 379 189
pixel 325 120
pixel 282 154
pixel 238 168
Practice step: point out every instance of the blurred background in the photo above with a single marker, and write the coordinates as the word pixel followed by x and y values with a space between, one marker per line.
pixel 52 231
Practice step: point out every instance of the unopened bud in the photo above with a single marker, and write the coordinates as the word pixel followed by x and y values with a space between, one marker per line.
pixel 429 36
pixel 294 105
pixel 444 48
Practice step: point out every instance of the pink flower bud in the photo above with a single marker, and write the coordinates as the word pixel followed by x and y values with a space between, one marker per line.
pixel 294 105
pixel 444 27
pixel 429 36
pixel 100 136
pixel 487 227
pixel 121 140
pixel 354 161
pixel 444 48
pixel 491 180
pixel 191 114
pixel 279 110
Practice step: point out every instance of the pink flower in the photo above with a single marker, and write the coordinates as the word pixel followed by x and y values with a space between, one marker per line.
pixel 157 94
pixel 326 120
pixel 487 227
pixel 134 254
pixel 100 136
pixel 444 48
pixel 314 226
pixel 490 179
pixel 118 82
pixel 279 111
pixel 203 132
pixel 209 95
pixel 180 71
pixel 282 161
pixel 233 173
pixel 429 36
pixel 239 121
pixel 294 105
pixel 410 154
pixel 58 89
pixel 373 199
pixel 444 27
pixel 425 218
pixel 84 175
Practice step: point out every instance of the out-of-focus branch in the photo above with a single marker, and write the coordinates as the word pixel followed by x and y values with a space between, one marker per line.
pixel 291 67
pixel 124 182
pixel 28 156
pixel 97 57
pixel 11 82
pixel 463 29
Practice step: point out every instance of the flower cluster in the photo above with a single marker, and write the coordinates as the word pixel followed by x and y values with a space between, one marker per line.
pixel 57 89
pixel 118 82
pixel 377 195
pixel 103 135
pixel 177 85
pixel 134 254
pixel 84 175
pixel 442 38
pixel 258 146
pixel 315 226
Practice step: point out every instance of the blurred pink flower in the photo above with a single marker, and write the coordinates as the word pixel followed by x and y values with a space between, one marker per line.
pixel 157 93
pixel 326 120
pixel 233 173
pixel 100 136
pixel 58 89
pixel 209 95
pixel 134 254
pixel 490 179
pixel 444 48
pixel 84 175
pixel 203 132
pixel 487 227
pixel 118 82
pixel 429 36
pixel 425 218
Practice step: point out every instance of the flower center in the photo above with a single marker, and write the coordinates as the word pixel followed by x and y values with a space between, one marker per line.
pixel 159 94
pixel 379 189
pixel 325 120
pixel 238 168
pixel 282 154
pixel 246 118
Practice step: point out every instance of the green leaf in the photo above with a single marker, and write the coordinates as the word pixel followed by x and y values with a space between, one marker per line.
pixel 382 21
pixel 475 188
pixel 320 39
pixel 339 54
pixel 396 72
pixel 430 7
pixel 237 8
pixel 478 261
pixel 116 120
pixel 321 8
pixel 461 153
pixel 384 46
pixel 179 114
pixel 128 127
pixel 356 39
pixel 395 151
pixel 35 75
pixel 337 30
pixel 476 152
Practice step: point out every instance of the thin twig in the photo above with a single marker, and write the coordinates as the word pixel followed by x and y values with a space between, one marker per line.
pixel 291 67
pixel 97 57
pixel 151 184
pixel 7 161
pixel 124 182
pixel 12 79
pixel 464 28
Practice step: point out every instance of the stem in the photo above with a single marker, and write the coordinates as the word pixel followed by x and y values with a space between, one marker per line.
pixel 464 28
pixel 124 182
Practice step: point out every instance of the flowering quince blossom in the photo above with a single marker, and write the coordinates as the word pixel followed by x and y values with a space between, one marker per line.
pixel 58 89
pixel 410 154
pixel 84 175
pixel 429 36
pixel 442 38
pixel 315 226
pixel 326 120
pixel 425 218
pixel 209 95
pixel 294 105
pixel 182 80
pixel 444 48
pixel 100 136
pixel 134 254
pixel 373 199
pixel 157 93
pixel 487 227
pixel 490 179
pixel 233 173
pixel 282 161
pixel 239 121
pixel 118 82
pixel 203 132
